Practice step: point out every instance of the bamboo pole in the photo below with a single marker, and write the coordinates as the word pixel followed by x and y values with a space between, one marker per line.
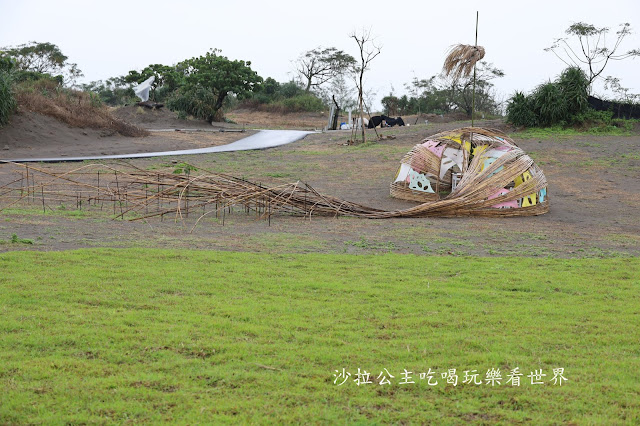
pixel 473 94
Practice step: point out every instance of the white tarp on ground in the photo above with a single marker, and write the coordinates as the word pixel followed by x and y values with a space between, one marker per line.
pixel 142 89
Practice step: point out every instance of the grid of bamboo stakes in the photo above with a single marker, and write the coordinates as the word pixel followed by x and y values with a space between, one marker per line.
pixel 137 194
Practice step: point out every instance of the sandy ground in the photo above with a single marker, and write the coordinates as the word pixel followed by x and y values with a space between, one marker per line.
pixel 35 135
pixel 594 189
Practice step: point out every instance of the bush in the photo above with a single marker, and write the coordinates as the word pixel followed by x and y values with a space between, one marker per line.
pixel 520 111
pixel 558 103
pixel 308 103
pixel 550 105
pixel 283 98
pixel 7 98
pixel 198 102
pixel 593 119
pixel 574 85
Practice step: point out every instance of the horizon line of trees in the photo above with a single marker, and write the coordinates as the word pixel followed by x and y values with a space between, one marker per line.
pixel 204 86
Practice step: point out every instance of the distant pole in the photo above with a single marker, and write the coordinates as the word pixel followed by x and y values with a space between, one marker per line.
pixel 473 94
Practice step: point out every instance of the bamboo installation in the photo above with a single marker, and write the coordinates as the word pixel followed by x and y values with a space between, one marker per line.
pixel 472 171
pixel 486 183
pixel 461 60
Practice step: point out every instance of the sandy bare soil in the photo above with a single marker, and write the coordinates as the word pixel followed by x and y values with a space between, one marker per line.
pixel 162 118
pixel 594 189
pixel 32 135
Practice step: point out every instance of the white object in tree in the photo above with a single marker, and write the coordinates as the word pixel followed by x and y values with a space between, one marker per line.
pixel 142 89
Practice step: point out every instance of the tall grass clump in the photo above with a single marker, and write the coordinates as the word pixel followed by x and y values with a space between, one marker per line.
pixel 549 105
pixel 7 98
pixel 556 103
pixel 520 110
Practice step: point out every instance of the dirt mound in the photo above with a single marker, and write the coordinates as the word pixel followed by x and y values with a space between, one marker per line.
pixel 158 118
pixel 32 135
pixel 73 107
pixel 37 132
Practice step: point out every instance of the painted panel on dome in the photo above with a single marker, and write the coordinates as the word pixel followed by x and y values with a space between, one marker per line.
pixel 419 182
pixel 433 147
pixel 403 173
pixel 507 205
pixel 450 158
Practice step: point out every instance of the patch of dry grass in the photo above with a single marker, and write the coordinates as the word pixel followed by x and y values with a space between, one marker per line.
pixel 73 107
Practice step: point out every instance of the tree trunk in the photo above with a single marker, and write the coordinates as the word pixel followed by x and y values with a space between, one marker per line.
pixel 217 107
pixel 336 113
pixel 360 96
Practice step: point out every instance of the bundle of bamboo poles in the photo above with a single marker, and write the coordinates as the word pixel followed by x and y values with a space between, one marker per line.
pixel 138 194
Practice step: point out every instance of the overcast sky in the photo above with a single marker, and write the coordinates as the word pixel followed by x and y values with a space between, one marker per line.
pixel 109 38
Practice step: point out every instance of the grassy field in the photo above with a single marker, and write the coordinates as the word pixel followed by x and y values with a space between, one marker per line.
pixel 105 335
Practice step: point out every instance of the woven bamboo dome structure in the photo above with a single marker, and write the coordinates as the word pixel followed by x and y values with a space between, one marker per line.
pixel 472 171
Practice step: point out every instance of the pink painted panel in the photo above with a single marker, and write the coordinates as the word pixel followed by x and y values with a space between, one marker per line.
pixel 508 205
pixel 432 146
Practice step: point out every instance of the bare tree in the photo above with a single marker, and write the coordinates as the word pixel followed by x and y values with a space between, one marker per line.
pixel 591 50
pixel 318 66
pixel 368 51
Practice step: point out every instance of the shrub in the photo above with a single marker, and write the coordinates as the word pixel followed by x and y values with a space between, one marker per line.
pixel 574 85
pixel 594 119
pixel 550 105
pixel 307 102
pixel 283 98
pixel 558 103
pixel 197 102
pixel 520 111
pixel 7 99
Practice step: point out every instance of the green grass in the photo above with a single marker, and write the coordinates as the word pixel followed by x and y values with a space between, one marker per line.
pixel 200 337
pixel 568 133
pixel 16 240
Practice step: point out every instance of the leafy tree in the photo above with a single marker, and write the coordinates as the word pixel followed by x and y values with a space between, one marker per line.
pixel 270 87
pixel 390 104
pixel 591 50
pixel 114 91
pixel 318 66
pixel 622 94
pixel 342 92
pixel 460 90
pixel 166 78
pixel 208 80
pixel 440 95
pixel 43 58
